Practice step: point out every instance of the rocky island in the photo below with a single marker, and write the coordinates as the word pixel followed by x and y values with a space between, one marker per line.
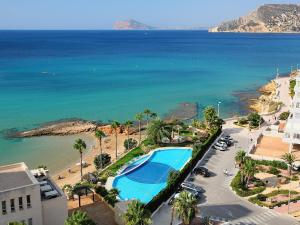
pixel 269 18
pixel 131 25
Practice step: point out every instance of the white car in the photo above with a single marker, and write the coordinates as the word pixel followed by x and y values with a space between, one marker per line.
pixel 296 166
pixel 218 147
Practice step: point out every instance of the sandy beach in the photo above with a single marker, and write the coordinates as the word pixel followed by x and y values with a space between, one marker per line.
pixel 71 175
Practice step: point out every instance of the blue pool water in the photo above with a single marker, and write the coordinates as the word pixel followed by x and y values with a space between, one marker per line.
pixel 147 178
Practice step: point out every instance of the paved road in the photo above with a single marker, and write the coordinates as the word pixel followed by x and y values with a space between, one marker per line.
pixel 218 200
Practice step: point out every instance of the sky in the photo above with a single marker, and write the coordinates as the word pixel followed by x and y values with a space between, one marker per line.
pixel 101 14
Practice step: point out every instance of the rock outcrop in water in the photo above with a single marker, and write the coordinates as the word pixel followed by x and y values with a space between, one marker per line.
pixel 276 18
pixel 131 25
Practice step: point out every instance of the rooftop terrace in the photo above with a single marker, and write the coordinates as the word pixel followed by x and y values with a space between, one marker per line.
pixel 15 175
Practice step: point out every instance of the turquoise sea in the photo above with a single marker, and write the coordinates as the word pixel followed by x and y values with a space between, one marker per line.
pixel 107 75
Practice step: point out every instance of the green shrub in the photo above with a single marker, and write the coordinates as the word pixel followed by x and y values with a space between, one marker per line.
pixel 242 121
pixel 284 115
pixel 111 197
pixel 101 191
pixel 275 163
pixel 261 197
pixel 173 175
pixel 295 178
pixel 105 160
pixel 292 86
pixel 273 170
pixel 130 143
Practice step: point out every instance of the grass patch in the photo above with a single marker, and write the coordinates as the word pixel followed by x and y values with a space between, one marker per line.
pixel 113 168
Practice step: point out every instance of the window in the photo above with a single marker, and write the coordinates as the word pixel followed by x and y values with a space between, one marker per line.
pixel 30 221
pixel 28 201
pixel 12 205
pixel 21 203
pixel 4 211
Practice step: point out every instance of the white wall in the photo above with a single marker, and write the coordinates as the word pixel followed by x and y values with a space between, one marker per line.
pixel 34 212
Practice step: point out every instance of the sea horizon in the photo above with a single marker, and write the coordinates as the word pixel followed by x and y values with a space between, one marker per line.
pixel 48 75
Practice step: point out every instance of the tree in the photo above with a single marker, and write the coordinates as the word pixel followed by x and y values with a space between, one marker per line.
pixel 289 158
pixel 115 125
pixel 240 157
pixel 100 134
pixel 185 207
pixel 157 130
pixel 212 121
pixel 249 170
pixel 102 160
pixel 80 145
pixel 127 125
pixel 147 113
pixel 136 214
pixel 16 223
pixel 254 119
pixel 139 117
pixel 130 143
pixel 79 218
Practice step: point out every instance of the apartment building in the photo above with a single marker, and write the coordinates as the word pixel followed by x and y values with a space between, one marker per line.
pixel 30 197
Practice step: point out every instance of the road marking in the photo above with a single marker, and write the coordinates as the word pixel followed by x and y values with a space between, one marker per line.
pixel 259 219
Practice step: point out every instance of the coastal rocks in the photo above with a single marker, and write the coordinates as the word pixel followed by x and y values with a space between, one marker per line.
pixel 59 128
pixel 275 18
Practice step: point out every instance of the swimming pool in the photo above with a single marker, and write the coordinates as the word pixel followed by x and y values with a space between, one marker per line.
pixel 146 177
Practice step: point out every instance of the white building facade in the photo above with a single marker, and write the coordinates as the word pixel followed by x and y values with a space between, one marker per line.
pixel 30 197
pixel 292 128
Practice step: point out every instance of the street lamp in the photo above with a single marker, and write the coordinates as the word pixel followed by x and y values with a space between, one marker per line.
pixel 219 108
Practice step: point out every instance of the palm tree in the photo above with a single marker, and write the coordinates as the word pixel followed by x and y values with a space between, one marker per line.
pixel 289 158
pixel 139 117
pixel 185 207
pixel 249 170
pixel 115 125
pixel 136 214
pixel 100 134
pixel 79 218
pixel 147 113
pixel 128 124
pixel 240 157
pixel 157 130
pixel 80 145
pixel 153 115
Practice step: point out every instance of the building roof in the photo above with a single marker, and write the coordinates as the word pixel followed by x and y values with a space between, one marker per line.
pixel 15 176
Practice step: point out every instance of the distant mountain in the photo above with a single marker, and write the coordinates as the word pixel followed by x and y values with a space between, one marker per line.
pixel 131 25
pixel 277 18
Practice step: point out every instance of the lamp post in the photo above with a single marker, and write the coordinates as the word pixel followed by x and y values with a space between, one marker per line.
pixel 219 108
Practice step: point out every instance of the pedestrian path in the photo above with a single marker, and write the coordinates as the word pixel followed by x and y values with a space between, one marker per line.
pixel 259 219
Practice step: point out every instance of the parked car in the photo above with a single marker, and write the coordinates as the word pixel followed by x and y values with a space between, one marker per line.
pixel 221 144
pixel 202 171
pixel 296 166
pixel 188 185
pixel 227 137
pixel 221 148
pixel 227 141
pixel 196 194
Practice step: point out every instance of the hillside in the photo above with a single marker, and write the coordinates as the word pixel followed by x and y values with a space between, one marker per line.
pixel 277 18
pixel 131 25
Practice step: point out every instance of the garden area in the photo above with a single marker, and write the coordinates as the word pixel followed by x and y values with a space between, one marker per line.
pixel 252 121
pixel 267 183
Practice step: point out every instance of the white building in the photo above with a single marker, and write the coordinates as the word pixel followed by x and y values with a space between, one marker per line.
pixel 292 128
pixel 30 197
